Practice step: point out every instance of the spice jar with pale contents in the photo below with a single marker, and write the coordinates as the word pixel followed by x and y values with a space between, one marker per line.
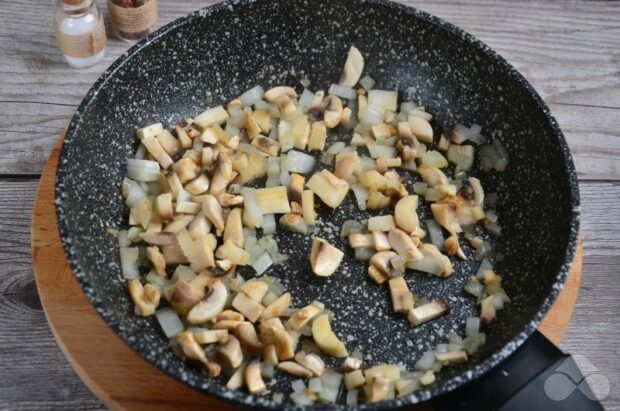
pixel 80 32
pixel 132 19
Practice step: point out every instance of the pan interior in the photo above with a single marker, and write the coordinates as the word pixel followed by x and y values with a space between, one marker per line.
pixel 215 55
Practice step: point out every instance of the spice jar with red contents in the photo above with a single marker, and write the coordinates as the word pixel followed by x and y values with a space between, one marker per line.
pixel 132 19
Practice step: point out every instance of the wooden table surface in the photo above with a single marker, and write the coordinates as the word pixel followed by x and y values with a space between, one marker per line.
pixel 569 50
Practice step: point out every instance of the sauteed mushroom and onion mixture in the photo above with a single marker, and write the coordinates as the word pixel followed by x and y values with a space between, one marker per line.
pixel 206 198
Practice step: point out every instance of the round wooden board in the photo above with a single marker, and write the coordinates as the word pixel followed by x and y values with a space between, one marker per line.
pixel 117 375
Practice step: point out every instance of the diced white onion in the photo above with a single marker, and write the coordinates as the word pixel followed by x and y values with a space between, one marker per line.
pixel 341 91
pixel 367 82
pixel 252 95
pixel 378 150
pixel 441 348
pixel 426 362
pixel 434 230
pixel 129 262
pixel 269 224
pixel 300 399
pixel 426 265
pixel 267 370
pixel 142 170
pixel 331 386
pixel 169 321
pixel 361 195
pixel 352 396
pixel 474 288
pixel 298 162
pixel 298 386
pixel 251 207
pixel 385 99
pixel 472 326
pixel 484 250
pixel 372 115
pixel 315 384
pixel 305 99
pixel 409 166
pixel 350 227
pixel 336 148
pixel 285 178
pixel 327 158
pixel 485 265
pixel 420 188
pixel 262 263
pixel 364 254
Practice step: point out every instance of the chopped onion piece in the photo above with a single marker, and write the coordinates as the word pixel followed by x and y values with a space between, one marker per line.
pixel 434 230
pixel 262 263
pixel 298 386
pixel 426 362
pixel 306 99
pixel 336 148
pixel 426 265
pixel 484 250
pixel 364 254
pixel 372 116
pixel 315 384
pixel 361 195
pixel 385 99
pixel 298 162
pixel 331 386
pixel 342 91
pixel 472 326
pixel 420 188
pixel 350 227
pixel 409 166
pixel 142 170
pixel 301 399
pixel 352 396
pixel 378 150
pixel 367 82
pixel 485 265
pixel 129 262
pixel 474 287
pixel 269 224
pixel 169 321
pixel 267 370
pixel 252 96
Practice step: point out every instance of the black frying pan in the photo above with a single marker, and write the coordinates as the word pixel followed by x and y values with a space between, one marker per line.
pixel 219 52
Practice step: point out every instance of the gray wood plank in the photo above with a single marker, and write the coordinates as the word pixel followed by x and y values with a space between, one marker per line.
pixel 568 50
pixel 29 355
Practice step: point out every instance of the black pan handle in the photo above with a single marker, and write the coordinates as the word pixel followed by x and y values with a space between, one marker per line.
pixel 537 376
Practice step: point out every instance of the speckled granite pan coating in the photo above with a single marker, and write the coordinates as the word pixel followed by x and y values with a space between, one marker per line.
pixel 219 52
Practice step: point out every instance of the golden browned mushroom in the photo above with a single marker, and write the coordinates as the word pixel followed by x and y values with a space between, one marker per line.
pixel 346 163
pixel 248 307
pixel 213 211
pixel 333 111
pixel 145 298
pixel 329 188
pixel 324 257
pixel 266 145
pixel 312 362
pixel 402 299
pixel 253 379
pixel 185 296
pixel 157 259
pixel 222 174
pixel 351 364
pixel 277 308
pixel 302 316
pixel 353 68
pixel 381 263
pixel 427 312
pixel 211 306
pixel 403 245
pixel 406 215
pixel 229 352
pixel 192 351
pixel 325 338
pixel 246 334
pixel 295 369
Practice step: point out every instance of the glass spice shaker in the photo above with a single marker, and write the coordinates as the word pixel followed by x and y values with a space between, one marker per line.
pixel 132 19
pixel 80 32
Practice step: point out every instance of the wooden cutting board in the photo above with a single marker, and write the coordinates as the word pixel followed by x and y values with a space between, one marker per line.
pixel 117 375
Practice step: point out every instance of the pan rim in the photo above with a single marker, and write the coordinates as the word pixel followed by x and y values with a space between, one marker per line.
pixel 246 399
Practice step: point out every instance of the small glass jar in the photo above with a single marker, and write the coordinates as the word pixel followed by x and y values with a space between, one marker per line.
pixel 80 32
pixel 132 20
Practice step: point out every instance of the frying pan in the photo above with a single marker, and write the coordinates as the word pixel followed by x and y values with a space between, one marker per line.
pixel 218 52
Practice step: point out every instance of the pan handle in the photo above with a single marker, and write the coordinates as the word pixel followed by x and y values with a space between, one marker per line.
pixel 537 376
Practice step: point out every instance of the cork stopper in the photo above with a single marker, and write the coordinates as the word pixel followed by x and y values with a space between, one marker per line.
pixel 133 19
